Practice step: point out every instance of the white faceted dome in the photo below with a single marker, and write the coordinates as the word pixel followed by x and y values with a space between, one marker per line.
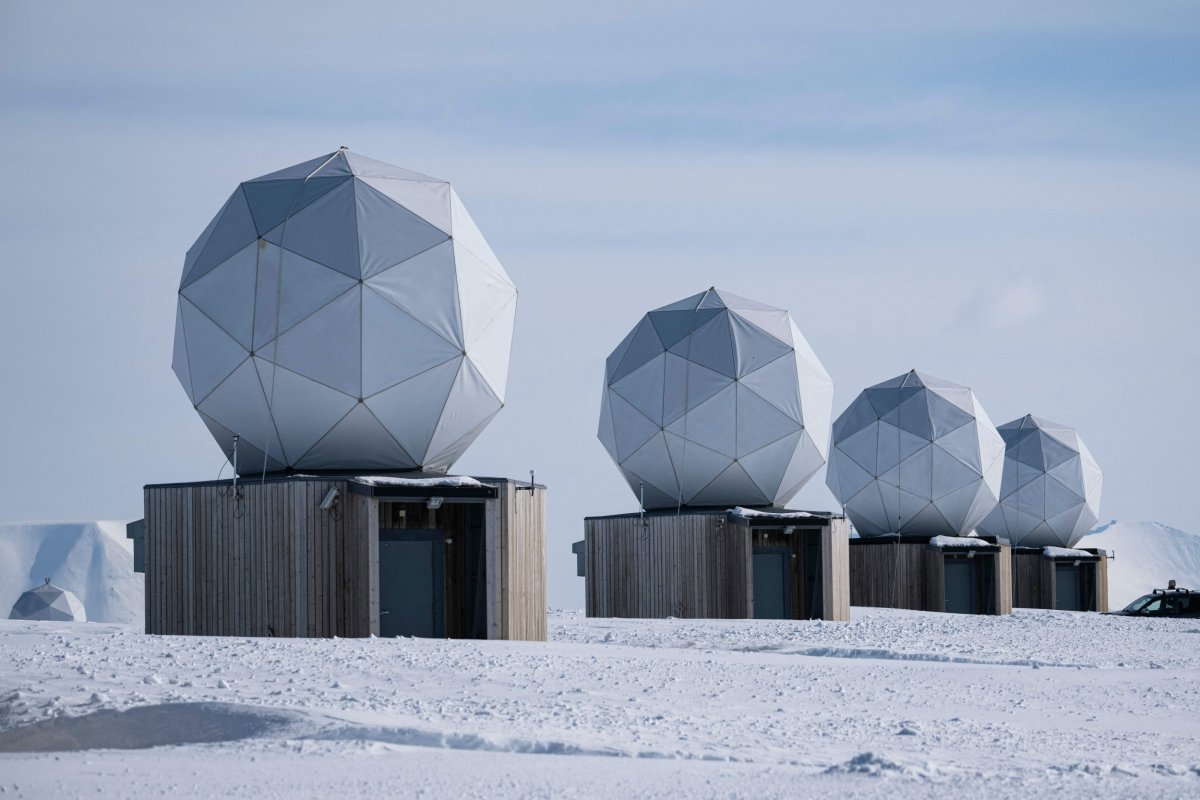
pixel 716 400
pixel 1050 495
pixel 915 455
pixel 344 314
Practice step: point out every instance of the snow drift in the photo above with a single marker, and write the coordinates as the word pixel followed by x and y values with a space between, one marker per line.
pixel 1148 554
pixel 93 560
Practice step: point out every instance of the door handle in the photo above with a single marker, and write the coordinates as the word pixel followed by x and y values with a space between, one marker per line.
pixel 381 613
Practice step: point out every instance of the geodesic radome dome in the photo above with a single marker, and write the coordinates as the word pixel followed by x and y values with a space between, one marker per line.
pixel 50 603
pixel 915 455
pixel 716 400
pixel 344 314
pixel 1050 495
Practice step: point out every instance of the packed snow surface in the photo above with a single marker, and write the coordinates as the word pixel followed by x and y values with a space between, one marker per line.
pixel 92 560
pixel 891 704
pixel 1147 555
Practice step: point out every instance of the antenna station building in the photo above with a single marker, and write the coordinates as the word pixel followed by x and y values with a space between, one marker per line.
pixel 717 412
pixel 343 330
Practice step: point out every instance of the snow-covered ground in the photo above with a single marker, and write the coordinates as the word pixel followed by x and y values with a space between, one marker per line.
pixel 1148 554
pixel 891 704
pixel 93 560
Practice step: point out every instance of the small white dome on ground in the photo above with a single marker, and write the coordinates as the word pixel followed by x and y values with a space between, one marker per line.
pixel 50 603
pixel 916 455
pixel 1050 495
pixel 716 400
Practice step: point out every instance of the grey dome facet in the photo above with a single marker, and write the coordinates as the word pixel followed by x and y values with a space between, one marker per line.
pixel 716 400
pixel 50 603
pixel 344 314
pixel 916 455
pixel 1050 495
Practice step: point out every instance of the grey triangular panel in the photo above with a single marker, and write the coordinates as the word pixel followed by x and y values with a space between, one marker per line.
pixel 1060 498
pixel 767 465
pixel 888 451
pixel 851 477
pixel 395 347
pixel 607 436
pixel 471 403
pixel 643 346
pixel 671 326
pixel 711 299
pixel 411 410
pixel 490 351
pixel 483 293
pixel 326 346
pixel 654 497
pixel 653 464
pixel 713 423
pixel 303 410
pixel 226 294
pixel 730 487
pixel 774 321
pixel 759 423
pixel 306 287
pixel 271 202
pixel 945 416
pixel 220 352
pixel 712 346
pixel 441 462
pixel 643 388
pixel 370 168
pixel 862 448
pixel 805 463
pixel 234 230
pixel 240 404
pixel 389 233
pixel 950 474
pixel 633 428
pixel 428 200
pixel 860 414
pixel 426 287
pixel 325 232
pixel 914 416
pixel 467 234
pixel 776 383
pixel 916 473
pixel 695 465
pixel 963 444
pixel 754 347
pixel 359 441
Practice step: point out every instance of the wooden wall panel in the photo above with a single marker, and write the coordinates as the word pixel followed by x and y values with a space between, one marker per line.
pixel 1004 597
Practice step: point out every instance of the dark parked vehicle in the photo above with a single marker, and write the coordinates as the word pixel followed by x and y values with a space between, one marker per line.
pixel 1169 602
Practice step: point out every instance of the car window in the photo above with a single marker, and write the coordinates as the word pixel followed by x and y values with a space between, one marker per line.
pixel 1188 606
pixel 1153 607
pixel 1136 605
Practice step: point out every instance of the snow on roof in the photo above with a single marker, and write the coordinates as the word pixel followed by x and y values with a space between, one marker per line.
pixel 1066 552
pixel 739 511
pixel 449 481
pixel 959 541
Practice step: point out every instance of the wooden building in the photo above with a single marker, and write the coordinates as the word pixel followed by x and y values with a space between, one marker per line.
pixel 1055 577
pixel 719 563
pixel 940 573
pixel 347 556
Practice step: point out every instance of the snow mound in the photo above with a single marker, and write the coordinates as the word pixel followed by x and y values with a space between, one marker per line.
pixel 1148 554
pixel 92 560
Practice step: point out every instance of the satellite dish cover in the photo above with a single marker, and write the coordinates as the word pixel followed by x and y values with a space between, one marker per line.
pixel 1050 495
pixel 50 603
pixel 716 400
pixel 916 455
pixel 344 314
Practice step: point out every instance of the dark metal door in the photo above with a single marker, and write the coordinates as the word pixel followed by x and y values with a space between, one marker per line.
pixel 411 583
pixel 772 569
pixel 1066 587
pixel 960 585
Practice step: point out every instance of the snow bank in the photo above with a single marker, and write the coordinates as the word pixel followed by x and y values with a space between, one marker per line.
pixel 959 541
pixel 93 560
pixel 1066 552
pixel 1148 554
pixel 450 481
pixel 738 511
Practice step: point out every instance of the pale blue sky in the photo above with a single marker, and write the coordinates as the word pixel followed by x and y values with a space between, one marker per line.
pixel 1005 195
